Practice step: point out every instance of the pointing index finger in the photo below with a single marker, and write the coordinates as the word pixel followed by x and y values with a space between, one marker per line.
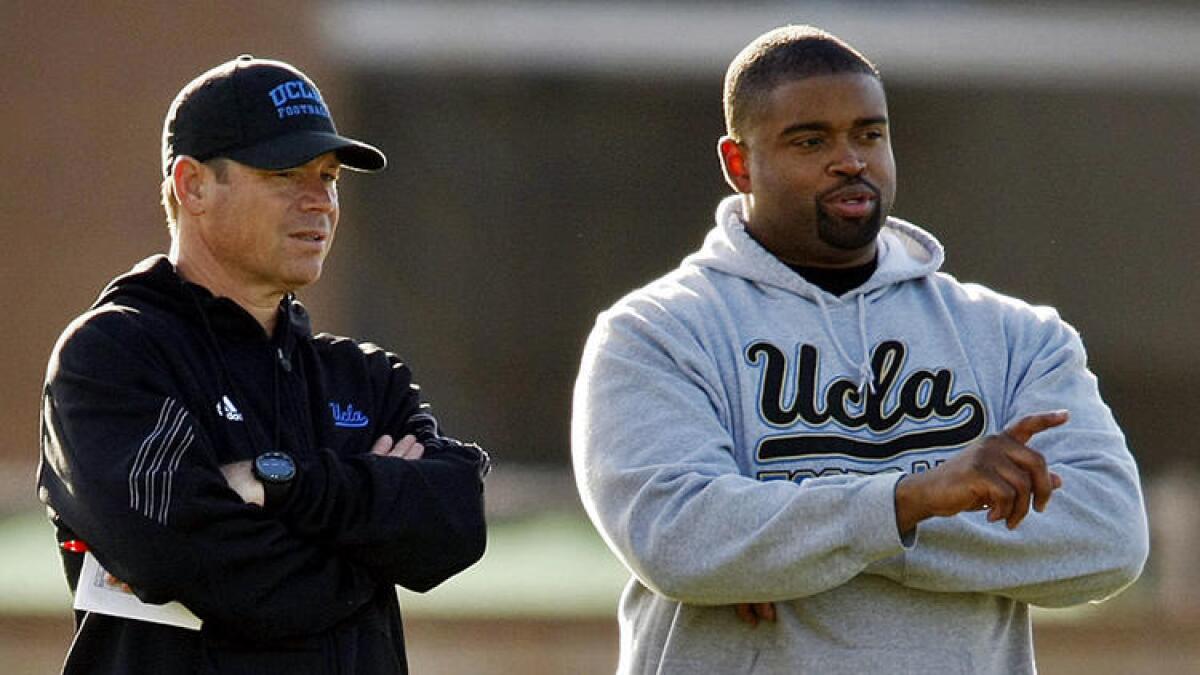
pixel 1024 429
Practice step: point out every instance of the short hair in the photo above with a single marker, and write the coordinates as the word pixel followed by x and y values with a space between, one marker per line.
pixel 783 55
pixel 220 167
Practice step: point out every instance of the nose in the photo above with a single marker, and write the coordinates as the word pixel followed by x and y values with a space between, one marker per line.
pixel 319 195
pixel 847 163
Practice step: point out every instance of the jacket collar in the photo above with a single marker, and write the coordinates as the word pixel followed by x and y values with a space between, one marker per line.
pixel 156 280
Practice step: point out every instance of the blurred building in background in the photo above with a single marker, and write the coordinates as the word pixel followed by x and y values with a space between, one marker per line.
pixel 548 157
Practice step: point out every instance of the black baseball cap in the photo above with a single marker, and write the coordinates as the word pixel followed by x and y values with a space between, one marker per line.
pixel 262 113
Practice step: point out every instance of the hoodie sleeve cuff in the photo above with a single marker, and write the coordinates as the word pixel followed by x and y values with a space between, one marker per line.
pixel 877 504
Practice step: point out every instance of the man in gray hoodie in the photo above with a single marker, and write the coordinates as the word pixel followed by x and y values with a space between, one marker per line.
pixel 808 423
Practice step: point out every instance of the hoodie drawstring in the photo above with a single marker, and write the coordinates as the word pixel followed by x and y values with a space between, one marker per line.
pixel 866 378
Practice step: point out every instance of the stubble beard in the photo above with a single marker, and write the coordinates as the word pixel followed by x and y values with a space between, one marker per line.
pixel 849 235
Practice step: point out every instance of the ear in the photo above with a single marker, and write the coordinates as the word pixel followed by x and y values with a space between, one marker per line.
pixel 189 179
pixel 733 164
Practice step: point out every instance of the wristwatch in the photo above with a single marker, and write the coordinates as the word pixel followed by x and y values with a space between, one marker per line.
pixel 275 470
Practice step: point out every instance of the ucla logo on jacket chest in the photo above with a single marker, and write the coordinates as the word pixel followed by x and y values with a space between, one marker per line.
pixel 347 416
pixel 916 413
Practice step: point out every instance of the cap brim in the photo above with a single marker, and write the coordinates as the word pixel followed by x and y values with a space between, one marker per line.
pixel 285 152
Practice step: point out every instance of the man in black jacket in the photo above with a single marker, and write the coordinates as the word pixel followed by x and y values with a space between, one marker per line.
pixel 205 447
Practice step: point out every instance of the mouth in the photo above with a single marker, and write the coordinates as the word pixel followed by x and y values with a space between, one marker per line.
pixel 852 201
pixel 312 236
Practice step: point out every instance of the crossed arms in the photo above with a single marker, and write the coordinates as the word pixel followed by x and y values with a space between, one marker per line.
pixel 656 465
pixel 166 514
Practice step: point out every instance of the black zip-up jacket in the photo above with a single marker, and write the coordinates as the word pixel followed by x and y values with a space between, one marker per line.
pixel 159 385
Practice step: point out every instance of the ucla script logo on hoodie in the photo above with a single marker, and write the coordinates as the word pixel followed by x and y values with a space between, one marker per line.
pixel 853 429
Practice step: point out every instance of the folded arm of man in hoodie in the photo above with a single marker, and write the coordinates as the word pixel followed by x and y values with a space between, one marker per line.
pixel 1091 541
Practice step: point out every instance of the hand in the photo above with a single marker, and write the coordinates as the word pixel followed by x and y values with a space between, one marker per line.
pixel 241 478
pixel 999 473
pixel 405 448
pixel 752 612
pixel 117 583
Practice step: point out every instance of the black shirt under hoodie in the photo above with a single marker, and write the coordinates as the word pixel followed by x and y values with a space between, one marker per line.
pixel 160 384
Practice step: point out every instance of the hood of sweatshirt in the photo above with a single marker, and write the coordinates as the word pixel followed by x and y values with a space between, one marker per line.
pixel 905 252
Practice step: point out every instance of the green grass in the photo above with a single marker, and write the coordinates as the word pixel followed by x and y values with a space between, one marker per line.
pixel 549 565
pixel 31 577
pixel 553 564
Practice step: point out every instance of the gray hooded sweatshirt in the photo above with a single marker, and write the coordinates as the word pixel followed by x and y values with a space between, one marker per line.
pixel 738 434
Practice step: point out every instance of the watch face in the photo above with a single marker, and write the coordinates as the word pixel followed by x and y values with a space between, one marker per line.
pixel 275 467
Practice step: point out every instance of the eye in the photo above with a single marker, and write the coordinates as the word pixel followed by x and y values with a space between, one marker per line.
pixel 329 176
pixel 808 142
pixel 873 135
